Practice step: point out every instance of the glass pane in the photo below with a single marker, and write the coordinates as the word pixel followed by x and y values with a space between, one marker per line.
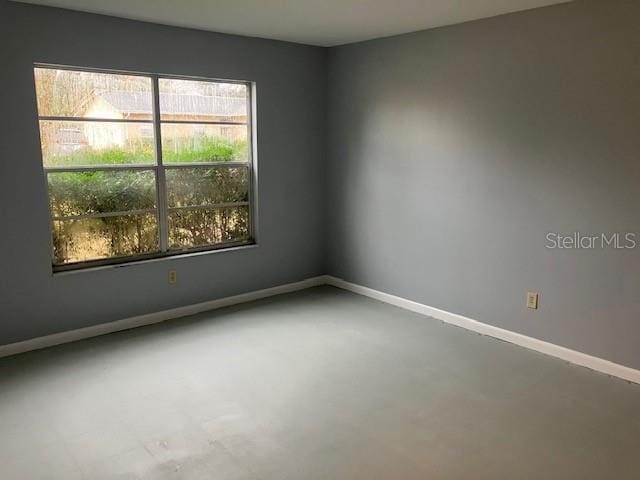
pixel 202 101
pixel 67 93
pixel 96 143
pixel 206 186
pixel 95 238
pixel 207 226
pixel 81 193
pixel 189 143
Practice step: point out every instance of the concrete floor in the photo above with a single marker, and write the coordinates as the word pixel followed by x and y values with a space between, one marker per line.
pixel 320 384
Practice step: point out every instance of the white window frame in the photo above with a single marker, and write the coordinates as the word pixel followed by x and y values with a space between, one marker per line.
pixel 162 209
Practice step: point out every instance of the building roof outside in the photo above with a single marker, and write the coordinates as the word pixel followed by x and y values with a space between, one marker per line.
pixel 177 104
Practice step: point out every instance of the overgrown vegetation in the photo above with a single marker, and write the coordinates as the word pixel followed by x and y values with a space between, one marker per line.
pixel 75 194
pixel 89 157
pixel 205 150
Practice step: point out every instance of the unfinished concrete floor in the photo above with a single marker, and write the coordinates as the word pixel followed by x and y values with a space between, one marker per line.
pixel 320 384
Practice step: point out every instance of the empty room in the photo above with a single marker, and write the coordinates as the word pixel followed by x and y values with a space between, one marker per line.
pixel 320 240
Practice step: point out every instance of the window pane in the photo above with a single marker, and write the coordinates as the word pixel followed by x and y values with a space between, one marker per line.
pixel 95 143
pixel 202 101
pixel 199 227
pixel 81 193
pixel 67 93
pixel 206 186
pixel 190 143
pixel 95 238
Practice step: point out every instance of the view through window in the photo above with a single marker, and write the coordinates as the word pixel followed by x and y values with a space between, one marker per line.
pixel 142 165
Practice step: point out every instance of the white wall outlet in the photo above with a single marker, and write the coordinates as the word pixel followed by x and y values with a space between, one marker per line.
pixel 532 300
pixel 173 276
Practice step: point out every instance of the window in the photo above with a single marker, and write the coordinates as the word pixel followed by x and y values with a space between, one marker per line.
pixel 142 166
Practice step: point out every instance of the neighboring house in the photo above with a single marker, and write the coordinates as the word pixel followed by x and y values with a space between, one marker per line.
pixel 174 107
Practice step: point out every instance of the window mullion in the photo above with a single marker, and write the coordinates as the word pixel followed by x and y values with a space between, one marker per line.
pixel 69 119
pixel 161 184
pixel 101 168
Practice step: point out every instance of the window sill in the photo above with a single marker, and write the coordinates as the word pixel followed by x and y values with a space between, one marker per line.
pixel 73 269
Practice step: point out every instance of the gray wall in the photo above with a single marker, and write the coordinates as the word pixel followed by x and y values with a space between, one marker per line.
pixel 452 153
pixel 291 83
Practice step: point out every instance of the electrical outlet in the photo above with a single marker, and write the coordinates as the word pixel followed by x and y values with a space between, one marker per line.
pixel 532 300
pixel 173 276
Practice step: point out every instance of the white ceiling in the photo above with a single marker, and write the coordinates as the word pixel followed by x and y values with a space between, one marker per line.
pixel 315 22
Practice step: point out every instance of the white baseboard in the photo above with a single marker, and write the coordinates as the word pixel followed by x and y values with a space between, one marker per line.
pixel 151 318
pixel 572 356
pixel 578 358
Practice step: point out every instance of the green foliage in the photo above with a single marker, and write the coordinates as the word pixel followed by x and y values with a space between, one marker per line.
pixel 205 150
pixel 102 191
pixel 108 156
pixel 206 186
